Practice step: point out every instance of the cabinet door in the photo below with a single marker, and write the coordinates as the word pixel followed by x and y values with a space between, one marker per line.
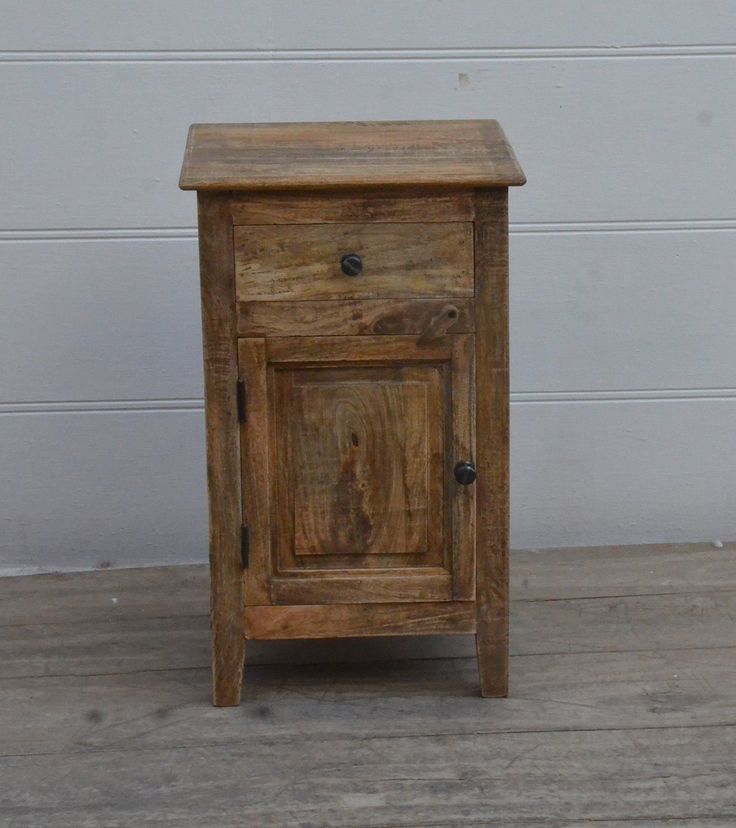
pixel 348 451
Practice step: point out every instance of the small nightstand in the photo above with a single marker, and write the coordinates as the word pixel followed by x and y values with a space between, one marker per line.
pixel 355 315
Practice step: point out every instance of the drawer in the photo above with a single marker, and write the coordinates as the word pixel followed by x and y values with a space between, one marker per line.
pixel 401 260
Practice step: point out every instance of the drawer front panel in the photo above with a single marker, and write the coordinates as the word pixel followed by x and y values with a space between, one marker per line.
pixel 287 262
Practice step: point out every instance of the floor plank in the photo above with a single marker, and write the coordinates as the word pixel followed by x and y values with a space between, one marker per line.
pixel 536 574
pixel 622 708
pixel 329 780
pixel 670 621
pixel 168 709
pixel 104 595
pixel 622 570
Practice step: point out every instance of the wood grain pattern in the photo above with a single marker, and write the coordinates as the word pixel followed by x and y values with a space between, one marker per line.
pixel 329 207
pixel 223 448
pixel 361 445
pixel 359 317
pixel 359 620
pixel 461 499
pixel 378 350
pixel 348 155
pixel 256 468
pixel 275 262
pixel 492 452
pixel 379 584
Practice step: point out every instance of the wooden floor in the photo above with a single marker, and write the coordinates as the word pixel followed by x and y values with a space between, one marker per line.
pixel 622 708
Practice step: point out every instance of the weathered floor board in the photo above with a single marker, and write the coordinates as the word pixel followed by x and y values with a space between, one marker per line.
pixel 622 624
pixel 377 781
pixel 622 708
pixel 166 709
pixel 550 573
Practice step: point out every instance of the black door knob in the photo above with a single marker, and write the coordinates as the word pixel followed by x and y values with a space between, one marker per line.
pixel 465 473
pixel 351 264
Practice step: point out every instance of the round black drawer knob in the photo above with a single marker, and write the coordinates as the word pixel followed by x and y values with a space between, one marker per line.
pixel 465 473
pixel 351 264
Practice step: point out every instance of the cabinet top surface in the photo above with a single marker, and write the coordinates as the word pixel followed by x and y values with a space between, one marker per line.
pixel 349 155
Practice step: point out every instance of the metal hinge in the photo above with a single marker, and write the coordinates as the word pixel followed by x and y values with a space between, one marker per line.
pixel 241 400
pixel 245 546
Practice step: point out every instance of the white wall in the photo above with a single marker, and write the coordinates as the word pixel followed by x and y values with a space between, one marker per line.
pixel 622 253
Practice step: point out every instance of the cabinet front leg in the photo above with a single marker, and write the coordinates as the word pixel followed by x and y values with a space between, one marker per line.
pixel 228 652
pixel 223 447
pixel 228 635
pixel 492 646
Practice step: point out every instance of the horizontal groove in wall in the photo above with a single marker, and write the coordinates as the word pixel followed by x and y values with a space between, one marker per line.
pixel 321 55
pixel 100 234
pixel 516 228
pixel 101 406
pixel 635 226
pixel 517 398
pixel 624 395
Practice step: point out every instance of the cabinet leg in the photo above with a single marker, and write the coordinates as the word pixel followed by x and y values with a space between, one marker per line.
pixel 492 646
pixel 227 671
pixel 492 448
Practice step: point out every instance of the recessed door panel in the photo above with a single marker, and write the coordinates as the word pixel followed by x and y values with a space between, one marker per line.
pixel 364 455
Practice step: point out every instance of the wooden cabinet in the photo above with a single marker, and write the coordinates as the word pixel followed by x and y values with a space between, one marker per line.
pixel 354 298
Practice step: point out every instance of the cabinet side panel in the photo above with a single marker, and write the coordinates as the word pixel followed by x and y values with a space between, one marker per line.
pixel 492 453
pixel 223 451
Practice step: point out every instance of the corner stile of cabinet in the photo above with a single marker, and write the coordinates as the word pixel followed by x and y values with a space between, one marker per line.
pixel 223 445
pixel 492 443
